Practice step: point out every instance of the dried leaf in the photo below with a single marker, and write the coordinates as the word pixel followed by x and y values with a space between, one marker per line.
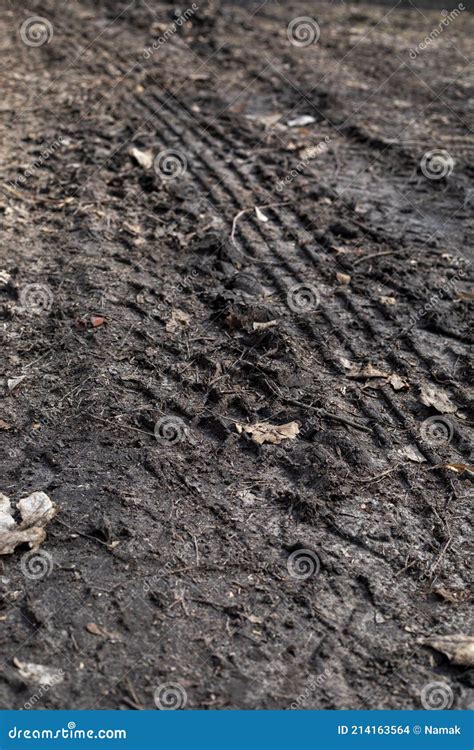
pixel 412 453
pixel 264 432
pixel 458 648
pixel 5 425
pixel 459 468
pixel 234 321
pixel 301 121
pixel 6 519
pixel 134 229
pixel 179 319
pixel 97 321
pixel 12 383
pixel 387 300
pixel 397 382
pixel 264 326
pixel 95 629
pixel 431 396
pixel 36 511
pixel 38 673
pixel 343 278
pixel 455 596
pixel 468 296
pixel 362 371
pixel 260 215
pixel 143 158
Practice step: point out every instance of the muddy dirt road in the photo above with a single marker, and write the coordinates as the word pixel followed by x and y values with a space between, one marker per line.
pixel 221 220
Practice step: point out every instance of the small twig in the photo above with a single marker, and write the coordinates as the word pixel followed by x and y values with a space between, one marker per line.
pixel 378 477
pixel 320 412
pixel 81 533
pixel 121 426
pixel 374 255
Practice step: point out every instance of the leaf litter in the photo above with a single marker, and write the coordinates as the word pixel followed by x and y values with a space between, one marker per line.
pixel 36 511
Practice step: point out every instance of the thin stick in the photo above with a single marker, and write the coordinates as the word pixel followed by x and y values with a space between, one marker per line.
pixel 320 412
pixel 374 255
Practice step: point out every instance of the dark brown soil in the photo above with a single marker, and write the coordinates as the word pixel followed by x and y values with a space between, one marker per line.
pixel 150 289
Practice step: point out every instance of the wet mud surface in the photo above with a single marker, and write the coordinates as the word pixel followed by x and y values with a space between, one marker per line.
pixel 151 309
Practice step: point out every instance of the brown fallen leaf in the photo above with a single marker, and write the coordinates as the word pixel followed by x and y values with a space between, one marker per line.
pixel 264 432
pixel 439 400
pixel 179 319
pixel 134 229
pixel 459 468
pixel 38 674
pixel 387 300
pixel 97 321
pixel 5 425
pixel 343 278
pixel 95 629
pixel 397 382
pixel 468 296
pixel 143 158
pixel 455 596
pixel 12 383
pixel 264 326
pixel 412 453
pixel 362 371
pixel 458 648
pixel 36 511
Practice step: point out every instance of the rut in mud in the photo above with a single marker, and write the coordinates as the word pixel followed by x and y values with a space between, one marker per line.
pixel 224 228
